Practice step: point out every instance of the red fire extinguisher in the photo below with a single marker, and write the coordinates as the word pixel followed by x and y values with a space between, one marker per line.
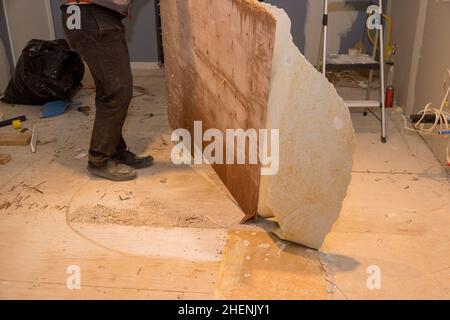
pixel 390 93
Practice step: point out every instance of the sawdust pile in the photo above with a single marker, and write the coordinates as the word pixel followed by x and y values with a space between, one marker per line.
pixel 157 217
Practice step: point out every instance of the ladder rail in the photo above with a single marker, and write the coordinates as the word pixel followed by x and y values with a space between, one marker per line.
pixel 383 89
pixel 379 39
pixel 374 56
pixel 325 36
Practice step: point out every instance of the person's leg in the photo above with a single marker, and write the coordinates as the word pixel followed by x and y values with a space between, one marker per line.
pixel 123 155
pixel 101 43
pixel 107 56
pixel 122 147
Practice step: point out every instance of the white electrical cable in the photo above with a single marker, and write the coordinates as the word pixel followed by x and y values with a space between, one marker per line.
pixel 442 117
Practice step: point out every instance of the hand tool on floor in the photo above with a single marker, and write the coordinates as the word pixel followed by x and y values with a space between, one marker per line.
pixel 34 137
pixel 9 122
pixel 56 108
pixel 17 124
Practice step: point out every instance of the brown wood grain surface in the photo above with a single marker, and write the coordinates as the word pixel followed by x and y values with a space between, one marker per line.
pixel 218 60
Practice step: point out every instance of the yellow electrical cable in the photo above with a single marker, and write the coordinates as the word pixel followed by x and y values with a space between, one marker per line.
pixel 389 46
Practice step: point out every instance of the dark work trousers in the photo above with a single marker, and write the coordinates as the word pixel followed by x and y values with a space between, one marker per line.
pixel 102 45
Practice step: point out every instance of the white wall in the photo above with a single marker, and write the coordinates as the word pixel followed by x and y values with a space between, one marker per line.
pixel 4 68
pixel 27 20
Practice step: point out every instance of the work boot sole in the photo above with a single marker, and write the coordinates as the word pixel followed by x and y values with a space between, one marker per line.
pixel 118 178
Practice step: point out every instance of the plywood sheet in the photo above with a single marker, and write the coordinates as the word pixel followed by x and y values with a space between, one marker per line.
pixel 218 56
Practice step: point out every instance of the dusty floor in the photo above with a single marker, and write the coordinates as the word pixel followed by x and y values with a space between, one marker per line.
pixel 174 233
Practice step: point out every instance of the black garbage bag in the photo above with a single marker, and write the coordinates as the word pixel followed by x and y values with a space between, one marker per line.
pixel 46 71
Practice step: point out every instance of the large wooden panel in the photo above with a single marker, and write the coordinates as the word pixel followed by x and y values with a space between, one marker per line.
pixel 218 58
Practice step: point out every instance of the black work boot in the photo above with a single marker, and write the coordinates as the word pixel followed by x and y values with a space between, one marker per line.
pixel 113 170
pixel 132 160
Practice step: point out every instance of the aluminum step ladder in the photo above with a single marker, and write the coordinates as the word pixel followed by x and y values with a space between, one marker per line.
pixel 345 62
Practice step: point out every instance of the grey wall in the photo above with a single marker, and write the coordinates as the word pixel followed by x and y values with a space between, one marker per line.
pixel 297 10
pixel 356 32
pixel 141 30
pixel 56 12
pixel 347 20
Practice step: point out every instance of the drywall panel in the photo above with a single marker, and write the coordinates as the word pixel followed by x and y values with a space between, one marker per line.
pixel 317 142
pixel 313 30
pixel 342 21
pixel 407 35
pixel 218 64
pixel 27 20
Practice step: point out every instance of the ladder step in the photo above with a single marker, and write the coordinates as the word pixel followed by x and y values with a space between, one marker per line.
pixel 343 67
pixel 345 59
pixel 363 104
pixel 337 62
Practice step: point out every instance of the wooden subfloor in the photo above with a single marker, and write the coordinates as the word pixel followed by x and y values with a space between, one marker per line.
pixel 174 233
